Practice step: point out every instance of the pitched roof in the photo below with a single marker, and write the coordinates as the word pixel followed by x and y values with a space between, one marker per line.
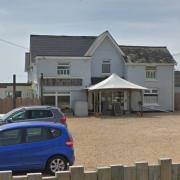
pixel 115 82
pixel 147 54
pixel 77 46
pixel 45 45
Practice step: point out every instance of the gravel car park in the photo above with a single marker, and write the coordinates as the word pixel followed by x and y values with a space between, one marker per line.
pixel 103 141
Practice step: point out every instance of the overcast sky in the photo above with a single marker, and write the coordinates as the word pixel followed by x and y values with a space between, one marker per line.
pixel 131 22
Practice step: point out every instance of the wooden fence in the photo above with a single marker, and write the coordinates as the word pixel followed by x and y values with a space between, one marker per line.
pixel 7 103
pixel 165 170
pixel 177 101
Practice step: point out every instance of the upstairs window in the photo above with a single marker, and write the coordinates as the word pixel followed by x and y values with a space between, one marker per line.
pixel 151 97
pixel 63 69
pixel 106 67
pixel 151 73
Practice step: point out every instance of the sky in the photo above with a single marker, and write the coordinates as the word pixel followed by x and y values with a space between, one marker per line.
pixel 130 22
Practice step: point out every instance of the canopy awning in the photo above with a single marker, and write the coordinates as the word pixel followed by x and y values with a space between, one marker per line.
pixel 115 82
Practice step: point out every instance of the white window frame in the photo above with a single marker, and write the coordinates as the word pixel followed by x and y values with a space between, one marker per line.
pixel 106 62
pixel 151 73
pixel 152 93
pixel 65 71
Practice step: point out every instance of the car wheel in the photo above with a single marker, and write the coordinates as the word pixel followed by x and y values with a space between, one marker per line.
pixel 56 163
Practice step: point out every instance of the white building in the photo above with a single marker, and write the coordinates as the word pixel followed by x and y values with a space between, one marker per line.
pixel 23 90
pixel 71 64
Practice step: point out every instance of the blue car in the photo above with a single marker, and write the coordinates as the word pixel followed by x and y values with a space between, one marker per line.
pixel 29 146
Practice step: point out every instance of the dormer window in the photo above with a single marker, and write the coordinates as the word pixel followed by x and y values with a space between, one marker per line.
pixel 63 69
pixel 106 67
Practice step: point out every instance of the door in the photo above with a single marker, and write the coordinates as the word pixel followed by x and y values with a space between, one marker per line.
pixel 11 149
pixel 38 147
pixel 64 102
pixel 50 100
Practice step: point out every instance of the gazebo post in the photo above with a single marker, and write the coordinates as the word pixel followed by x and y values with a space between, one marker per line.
pixel 130 108
pixel 141 93
pixel 94 103
pixel 99 101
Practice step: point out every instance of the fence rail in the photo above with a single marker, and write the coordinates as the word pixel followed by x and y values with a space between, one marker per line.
pixel 165 170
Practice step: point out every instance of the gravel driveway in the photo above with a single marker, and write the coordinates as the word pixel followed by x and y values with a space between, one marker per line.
pixel 125 140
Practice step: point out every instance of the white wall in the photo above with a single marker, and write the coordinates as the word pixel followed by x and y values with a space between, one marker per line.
pixel 164 83
pixel 79 68
pixel 26 91
pixel 107 51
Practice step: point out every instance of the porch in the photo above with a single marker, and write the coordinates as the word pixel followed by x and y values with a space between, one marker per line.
pixel 115 96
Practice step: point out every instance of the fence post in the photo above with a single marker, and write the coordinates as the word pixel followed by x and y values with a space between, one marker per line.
pixel 129 173
pixel 63 175
pixel 142 171
pixel 41 87
pixel 14 91
pixel 5 175
pixel 91 175
pixel 117 172
pixel 34 176
pixel 165 169
pixel 20 178
pixel 154 172
pixel 104 173
pixel 77 172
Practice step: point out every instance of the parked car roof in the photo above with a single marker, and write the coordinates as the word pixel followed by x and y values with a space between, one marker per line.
pixel 29 124
pixel 38 107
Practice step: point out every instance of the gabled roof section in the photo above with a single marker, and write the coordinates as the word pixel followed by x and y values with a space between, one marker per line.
pixel 147 54
pixel 98 42
pixel 71 46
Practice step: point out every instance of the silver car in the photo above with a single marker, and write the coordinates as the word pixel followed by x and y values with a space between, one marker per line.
pixel 34 113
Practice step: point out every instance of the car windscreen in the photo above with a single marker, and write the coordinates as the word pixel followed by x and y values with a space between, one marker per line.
pixel 9 113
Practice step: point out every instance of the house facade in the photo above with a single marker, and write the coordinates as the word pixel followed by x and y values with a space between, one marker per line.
pixel 71 64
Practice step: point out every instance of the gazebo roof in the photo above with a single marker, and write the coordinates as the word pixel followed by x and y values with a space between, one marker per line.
pixel 115 82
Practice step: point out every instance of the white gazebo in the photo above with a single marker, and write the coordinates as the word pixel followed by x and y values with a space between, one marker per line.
pixel 114 91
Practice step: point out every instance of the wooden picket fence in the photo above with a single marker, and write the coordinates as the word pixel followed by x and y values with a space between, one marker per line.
pixel 165 170
pixel 7 103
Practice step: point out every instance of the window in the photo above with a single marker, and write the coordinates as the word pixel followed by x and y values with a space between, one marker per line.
pixel 34 114
pixel 10 137
pixel 41 134
pixel 106 67
pixel 18 94
pixel 63 69
pixel 20 115
pixel 150 73
pixel 151 96
pixel 63 82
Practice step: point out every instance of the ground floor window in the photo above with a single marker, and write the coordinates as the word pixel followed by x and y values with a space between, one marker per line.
pixel 64 102
pixel 151 96
pixel 61 100
pixel 49 100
